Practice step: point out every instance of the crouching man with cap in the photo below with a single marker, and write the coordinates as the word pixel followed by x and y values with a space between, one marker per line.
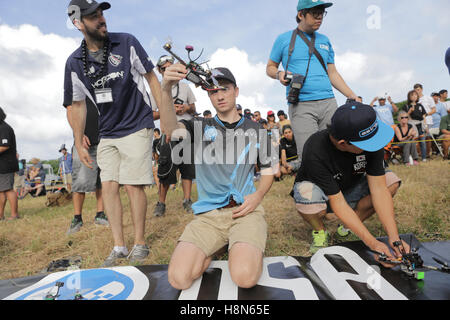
pixel 343 170
pixel 228 210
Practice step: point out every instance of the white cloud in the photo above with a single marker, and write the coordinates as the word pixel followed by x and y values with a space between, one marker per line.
pixel 31 88
pixel 374 75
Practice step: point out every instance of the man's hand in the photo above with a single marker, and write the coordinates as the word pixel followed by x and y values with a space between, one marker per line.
pixel 173 74
pixel 250 204
pixel 283 81
pixel 84 156
pixel 397 252
pixel 86 143
pixel 382 248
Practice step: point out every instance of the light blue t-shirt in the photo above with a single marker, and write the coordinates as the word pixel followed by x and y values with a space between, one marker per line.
pixel 317 84
pixel 441 111
pixel 385 114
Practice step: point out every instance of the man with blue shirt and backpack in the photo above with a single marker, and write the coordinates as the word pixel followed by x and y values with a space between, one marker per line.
pixel 110 69
pixel 309 72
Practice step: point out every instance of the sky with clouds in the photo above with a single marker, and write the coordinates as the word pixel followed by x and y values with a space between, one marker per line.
pixel 381 46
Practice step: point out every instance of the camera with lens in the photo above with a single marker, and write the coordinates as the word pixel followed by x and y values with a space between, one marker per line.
pixel 296 82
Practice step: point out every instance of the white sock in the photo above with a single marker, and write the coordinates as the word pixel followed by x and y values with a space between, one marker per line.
pixel 122 250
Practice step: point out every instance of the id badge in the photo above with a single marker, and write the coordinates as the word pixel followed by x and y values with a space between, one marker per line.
pixel 103 95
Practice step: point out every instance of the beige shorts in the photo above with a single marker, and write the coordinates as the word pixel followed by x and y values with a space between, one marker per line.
pixel 211 231
pixel 127 160
pixel 67 178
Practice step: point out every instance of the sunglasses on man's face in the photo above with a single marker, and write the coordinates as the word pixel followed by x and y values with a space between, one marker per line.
pixel 404 118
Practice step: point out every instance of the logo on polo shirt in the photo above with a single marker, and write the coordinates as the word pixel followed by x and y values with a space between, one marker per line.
pixel 115 59
pixel 4 141
pixel 324 47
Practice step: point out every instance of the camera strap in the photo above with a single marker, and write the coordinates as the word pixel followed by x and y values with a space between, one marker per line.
pixel 311 46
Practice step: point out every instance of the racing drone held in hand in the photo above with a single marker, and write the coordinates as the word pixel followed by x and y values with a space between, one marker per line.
pixel 411 263
pixel 197 74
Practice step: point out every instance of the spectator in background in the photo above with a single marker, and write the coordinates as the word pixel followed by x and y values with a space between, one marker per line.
pixel 35 183
pixel 441 111
pixel 19 177
pixel 283 120
pixel 445 134
pixel 85 180
pixel 385 111
pixel 417 113
pixel 405 133
pixel 273 126
pixel 156 149
pixel 443 95
pixel 239 109
pixel 65 167
pixel 182 93
pixel 257 116
pixel 430 108
pixel 248 114
pixel 207 114
pixel 8 167
pixel 290 162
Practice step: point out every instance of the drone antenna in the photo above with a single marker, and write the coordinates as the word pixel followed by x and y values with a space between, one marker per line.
pixel 195 60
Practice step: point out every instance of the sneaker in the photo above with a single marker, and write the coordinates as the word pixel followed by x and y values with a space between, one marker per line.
pixel 75 226
pixel 342 231
pixel 101 219
pixel 138 253
pixel 160 209
pixel 187 205
pixel 111 261
pixel 320 241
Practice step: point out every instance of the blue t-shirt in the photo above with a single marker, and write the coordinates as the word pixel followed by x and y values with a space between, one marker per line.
pixel 317 84
pixel 131 109
pixel 385 114
pixel 225 160
pixel 65 164
pixel 441 111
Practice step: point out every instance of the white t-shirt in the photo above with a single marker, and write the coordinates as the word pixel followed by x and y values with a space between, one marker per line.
pixel 428 104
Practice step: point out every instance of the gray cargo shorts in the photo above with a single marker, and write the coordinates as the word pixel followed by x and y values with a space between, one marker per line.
pixel 84 179
pixel 309 117
pixel 310 199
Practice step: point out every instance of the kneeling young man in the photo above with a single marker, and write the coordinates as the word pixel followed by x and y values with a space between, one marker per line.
pixel 343 168
pixel 229 208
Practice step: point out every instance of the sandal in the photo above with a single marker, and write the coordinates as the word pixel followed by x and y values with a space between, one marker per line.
pixel 13 218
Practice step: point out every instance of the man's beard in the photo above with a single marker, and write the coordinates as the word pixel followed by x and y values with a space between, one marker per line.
pixel 95 34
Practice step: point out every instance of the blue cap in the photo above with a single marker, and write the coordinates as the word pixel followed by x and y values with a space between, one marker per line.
pixel 358 124
pixel 307 4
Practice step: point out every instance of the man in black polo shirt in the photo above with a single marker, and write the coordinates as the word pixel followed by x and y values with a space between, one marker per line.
pixel 344 168
pixel 8 166
pixel 112 69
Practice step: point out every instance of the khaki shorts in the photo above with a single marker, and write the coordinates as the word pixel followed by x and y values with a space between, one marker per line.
pixel 211 231
pixel 67 178
pixel 127 160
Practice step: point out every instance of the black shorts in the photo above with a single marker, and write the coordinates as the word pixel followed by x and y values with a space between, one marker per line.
pixel 168 176
pixel 167 170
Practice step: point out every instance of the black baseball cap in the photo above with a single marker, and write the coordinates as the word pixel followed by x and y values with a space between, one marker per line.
pixel 358 124
pixel 223 74
pixel 86 7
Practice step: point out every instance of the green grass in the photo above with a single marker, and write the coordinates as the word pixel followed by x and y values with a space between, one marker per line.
pixel 28 245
